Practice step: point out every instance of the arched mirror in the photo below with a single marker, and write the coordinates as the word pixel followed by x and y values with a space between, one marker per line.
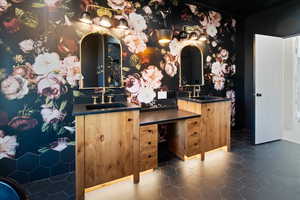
pixel 191 70
pixel 101 61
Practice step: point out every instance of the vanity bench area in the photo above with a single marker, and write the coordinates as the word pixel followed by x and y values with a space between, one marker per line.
pixel 113 143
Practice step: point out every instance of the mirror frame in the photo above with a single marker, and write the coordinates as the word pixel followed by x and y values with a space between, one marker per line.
pixel 198 45
pixel 101 32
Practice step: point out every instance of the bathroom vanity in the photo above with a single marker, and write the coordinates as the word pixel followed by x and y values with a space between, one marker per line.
pixel 115 142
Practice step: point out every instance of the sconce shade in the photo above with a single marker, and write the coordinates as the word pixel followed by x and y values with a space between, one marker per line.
pixel 123 24
pixel 164 36
pixel 203 38
pixel 86 18
pixel 105 21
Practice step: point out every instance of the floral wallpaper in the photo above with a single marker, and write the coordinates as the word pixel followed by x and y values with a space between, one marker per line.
pixel 40 63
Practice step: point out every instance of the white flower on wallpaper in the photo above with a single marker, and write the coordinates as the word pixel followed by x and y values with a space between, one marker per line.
pixel 215 18
pixel 116 4
pixel 218 68
pixel 14 87
pixel 152 77
pixel 218 82
pixel 133 84
pixel 4 5
pixel 174 47
pixel 231 95
pixel 52 3
pixel 71 69
pixel 211 30
pixel 51 85
pixel 137 22
pixel 47 62
pixel 147 10
pixel 146 95
pixel 51 114
pixel 136 41
pixel 27 45
pixel 8 146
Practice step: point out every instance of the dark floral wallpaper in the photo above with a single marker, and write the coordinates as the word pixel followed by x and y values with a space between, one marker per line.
pixel 40 64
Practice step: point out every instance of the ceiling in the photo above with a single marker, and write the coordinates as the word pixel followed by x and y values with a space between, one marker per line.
pixel 242 7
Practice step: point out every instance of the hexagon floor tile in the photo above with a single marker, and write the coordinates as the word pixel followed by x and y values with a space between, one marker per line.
pixel 263 172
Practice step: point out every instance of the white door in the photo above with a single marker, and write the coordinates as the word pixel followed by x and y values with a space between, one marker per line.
pixel 268 88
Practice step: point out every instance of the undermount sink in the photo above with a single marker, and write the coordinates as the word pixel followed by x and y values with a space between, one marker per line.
pixel 105 106
pixel 206 97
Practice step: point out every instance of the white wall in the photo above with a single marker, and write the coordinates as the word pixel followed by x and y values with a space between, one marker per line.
pixel 291 125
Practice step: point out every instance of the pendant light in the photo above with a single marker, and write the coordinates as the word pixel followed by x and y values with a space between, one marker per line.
pixel 164 35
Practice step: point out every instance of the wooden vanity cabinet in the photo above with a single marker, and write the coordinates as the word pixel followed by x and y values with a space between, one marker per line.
pixel 107 148
pixel 148 147
pixel 215 125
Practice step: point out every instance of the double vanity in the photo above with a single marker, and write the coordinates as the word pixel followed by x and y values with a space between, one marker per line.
pixel 117 140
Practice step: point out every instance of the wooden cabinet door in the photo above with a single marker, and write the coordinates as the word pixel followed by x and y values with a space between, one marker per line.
pixel 215 124
pixel 108 147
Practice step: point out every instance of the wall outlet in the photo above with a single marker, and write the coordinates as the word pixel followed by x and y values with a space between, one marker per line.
pixel 162 95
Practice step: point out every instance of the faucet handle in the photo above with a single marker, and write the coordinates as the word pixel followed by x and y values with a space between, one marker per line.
pixel 190 94
pixel 94 99
pixel 110 99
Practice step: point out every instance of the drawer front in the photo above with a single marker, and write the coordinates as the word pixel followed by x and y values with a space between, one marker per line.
pixel 148 137
pixel 193 137
pixel 148 160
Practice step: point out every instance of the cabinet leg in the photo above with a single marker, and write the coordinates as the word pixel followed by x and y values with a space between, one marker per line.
pixel 136 178
pixel 202 156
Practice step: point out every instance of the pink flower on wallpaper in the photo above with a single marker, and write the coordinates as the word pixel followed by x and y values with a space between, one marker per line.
pixel 146 95
pixel 12 25
pixel 217 69
pixel 219 82
pixel 133 83
pixel 203 19
pixel 171 69
pixel 136 42
pixel 116 4
pixel 51 86
pixel 8 146
pixel 152 76
pixel 224 54
pixel 23 123
pixel 4 5
pixel 170 64
pixel 215 18
pixel 147 10
pixel 14 87
pixel 26 72
pixel 174 47
pixel 137 22
pixel 46 63
pixel 51 114
pixel 71 69
pixel 26 45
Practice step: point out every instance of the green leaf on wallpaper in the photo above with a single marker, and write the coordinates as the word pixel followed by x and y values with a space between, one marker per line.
pixel 49 102
pixel 43 150
pixel 77 93
pixel 138 66
pixel 61 131
pixel 72 143
pixel 63 105
pixel 38 5
pixel 134 60
pixel 55 126
pixel 27 18
pixel 45 127
pixel 126 69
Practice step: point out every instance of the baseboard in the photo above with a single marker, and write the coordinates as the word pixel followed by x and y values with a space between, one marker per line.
pixel 290 140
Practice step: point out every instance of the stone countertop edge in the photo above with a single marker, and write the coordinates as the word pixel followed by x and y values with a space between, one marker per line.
pixel 80 109
pixel 219 99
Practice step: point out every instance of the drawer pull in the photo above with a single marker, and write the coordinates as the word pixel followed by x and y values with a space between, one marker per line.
pixel 149 143
pixel 195 123
pixel 149 131
pixel 195 144
pixel 149 156
pixel 101 138
pixel 195 133
pixel 129 119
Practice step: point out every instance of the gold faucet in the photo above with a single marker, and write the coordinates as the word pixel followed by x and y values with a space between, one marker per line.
pixel 103 95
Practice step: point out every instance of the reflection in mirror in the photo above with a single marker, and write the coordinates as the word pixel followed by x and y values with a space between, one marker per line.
pixel 101 61
pixel 191 60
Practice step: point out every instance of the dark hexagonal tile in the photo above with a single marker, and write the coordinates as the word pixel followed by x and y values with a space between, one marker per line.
pixel 28 162
pixel 49 158
pixel 7 166
pixel 40 173
pixel 68 154
pixel 60 168
pixel 20 177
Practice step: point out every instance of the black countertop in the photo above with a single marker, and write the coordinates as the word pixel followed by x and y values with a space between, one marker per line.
pixel 81 109
pixel 209 99
pixel 156 117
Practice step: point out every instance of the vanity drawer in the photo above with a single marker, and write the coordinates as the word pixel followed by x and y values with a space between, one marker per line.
pixel 193 147
pixel 193 124
pixel 148 160
pixel 148 137
pixel 193 137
